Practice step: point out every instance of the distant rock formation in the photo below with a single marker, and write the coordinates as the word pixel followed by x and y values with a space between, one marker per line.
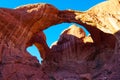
pixel 74 56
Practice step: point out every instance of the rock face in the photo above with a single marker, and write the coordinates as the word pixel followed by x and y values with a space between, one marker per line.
pixel 74 56
pixel 71 45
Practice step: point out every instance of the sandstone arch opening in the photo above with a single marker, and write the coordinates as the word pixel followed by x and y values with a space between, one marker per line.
pixel 33 50
pixel 52 35
pixel 98 36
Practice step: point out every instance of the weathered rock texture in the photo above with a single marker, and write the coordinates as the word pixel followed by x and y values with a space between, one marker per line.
pixel 74 56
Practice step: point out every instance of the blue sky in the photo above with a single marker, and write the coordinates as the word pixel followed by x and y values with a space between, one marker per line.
pixel 53 32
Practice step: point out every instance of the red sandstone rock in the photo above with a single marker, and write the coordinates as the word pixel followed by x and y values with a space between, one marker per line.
pixel 74 56
pixel 39 40
pixel 71 46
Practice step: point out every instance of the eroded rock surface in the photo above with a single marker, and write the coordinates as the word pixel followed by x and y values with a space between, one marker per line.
pixel 74 56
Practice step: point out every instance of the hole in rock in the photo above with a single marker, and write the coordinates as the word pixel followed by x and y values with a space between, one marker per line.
pixel 34 52
pixel 53 33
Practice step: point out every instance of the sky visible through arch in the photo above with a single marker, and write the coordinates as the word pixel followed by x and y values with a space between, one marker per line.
pixel 53 32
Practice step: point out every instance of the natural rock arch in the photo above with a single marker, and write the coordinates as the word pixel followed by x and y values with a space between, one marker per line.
pixel 18 26
pixel 30 20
